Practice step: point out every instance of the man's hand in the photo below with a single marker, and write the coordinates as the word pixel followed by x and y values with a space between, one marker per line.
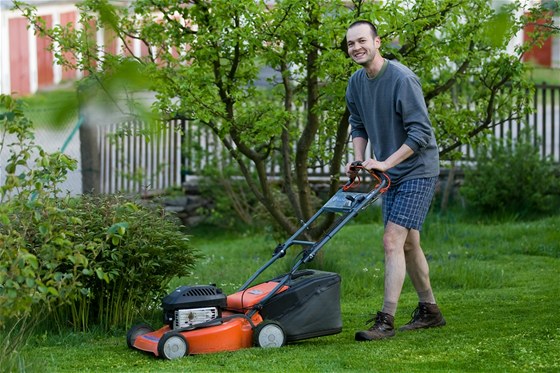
pixel 351 170
pixel 372 164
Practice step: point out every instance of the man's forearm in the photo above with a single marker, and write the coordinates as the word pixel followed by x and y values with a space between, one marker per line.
pixel 399 156
pixel 360 145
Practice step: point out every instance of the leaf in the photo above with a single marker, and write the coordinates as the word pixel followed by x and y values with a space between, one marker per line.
pixel 498 27
pixel 101 274
pixel 117 228
pixel 32 261
pixel 30 282
pixel 43 229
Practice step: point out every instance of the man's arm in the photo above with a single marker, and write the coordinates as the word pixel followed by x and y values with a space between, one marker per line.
pixel 394 159
pixel 360 145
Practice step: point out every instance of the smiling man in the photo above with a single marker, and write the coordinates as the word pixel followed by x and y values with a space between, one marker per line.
pixel 387 108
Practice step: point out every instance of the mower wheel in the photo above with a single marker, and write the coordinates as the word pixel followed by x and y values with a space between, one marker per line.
pixel 269 334
pixel 173 345
pixel 135 332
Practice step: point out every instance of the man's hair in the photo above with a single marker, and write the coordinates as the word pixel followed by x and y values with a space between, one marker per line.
pixel 364 22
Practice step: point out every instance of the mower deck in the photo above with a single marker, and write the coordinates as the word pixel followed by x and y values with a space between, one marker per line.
pixel 233 334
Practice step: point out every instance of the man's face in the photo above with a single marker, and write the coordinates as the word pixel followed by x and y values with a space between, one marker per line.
pixel 362 46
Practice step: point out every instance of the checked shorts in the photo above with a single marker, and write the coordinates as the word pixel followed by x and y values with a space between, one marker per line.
pixel 408 203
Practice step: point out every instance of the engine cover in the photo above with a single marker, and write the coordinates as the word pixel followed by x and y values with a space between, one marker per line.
pixel 191 305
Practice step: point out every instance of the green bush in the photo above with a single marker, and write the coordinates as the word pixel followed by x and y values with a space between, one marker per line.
pixel 510 177
pixel 30 222
pixel 89 260
pixel 133 252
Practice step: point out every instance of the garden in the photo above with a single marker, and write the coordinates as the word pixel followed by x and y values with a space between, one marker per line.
pixel 88 267
pixel 77 271
pixel 496 283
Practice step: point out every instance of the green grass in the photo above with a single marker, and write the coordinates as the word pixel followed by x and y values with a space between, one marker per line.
pixel 497 284
pixel 545 75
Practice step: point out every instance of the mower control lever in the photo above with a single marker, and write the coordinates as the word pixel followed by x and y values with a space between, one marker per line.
pixel 354 178
pixel 354 168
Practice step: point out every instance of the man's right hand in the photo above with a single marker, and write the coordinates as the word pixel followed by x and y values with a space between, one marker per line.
pixel 351 170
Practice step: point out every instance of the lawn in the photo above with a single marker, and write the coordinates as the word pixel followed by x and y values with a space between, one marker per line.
pixel 497 284
pixel 545 75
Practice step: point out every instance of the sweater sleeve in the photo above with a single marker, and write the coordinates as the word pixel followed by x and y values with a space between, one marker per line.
pixel 357 125
pixel 412 108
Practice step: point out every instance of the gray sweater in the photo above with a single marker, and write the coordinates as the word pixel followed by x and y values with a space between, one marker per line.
pixel 390 111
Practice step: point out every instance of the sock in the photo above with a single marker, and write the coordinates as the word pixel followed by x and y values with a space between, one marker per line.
pixel 426 296
pixel 390 308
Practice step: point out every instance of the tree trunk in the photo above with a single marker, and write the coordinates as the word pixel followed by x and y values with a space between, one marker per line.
pixel 89 150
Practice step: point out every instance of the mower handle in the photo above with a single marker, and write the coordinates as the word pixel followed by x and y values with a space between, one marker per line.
pixel 355 167
pixel 361 201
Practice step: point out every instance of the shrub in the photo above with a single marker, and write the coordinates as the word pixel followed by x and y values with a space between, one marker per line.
pixel 30 221
pixel 511 178
pixel 133 252
pixel 94 259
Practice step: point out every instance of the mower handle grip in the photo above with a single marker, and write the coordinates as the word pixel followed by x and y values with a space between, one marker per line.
pixel 356 166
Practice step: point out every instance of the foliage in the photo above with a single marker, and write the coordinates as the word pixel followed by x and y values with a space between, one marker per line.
pixel 133 251
pixel 207 58
pixel 54 108
pixel 30 222
pixel 233 206
pixel 512 178
pixel 93 259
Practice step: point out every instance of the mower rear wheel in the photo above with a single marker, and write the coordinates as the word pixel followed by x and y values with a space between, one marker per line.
pixel 135 332
pixel 269 334
pixel 173 346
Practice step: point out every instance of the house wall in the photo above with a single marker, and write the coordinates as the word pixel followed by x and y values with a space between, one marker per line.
pixel 45 58
pixel 540 56
pixel 25 63
pixel 19 67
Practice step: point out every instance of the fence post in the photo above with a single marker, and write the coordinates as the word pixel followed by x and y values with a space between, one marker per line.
pixel 89 149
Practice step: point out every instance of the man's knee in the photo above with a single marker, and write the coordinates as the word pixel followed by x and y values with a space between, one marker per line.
pixel 394 238
pixel 412 241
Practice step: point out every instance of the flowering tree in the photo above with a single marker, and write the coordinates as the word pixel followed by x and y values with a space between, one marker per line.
pixel 206 56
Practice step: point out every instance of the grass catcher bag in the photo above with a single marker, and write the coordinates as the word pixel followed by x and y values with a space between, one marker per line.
pixel 309 308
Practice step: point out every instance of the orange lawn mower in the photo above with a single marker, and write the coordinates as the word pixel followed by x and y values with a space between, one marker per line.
pixel 298 305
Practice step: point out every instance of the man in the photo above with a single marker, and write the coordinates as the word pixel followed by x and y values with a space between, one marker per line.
pixel 387 108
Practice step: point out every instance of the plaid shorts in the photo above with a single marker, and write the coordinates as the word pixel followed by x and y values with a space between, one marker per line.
pixel 408 203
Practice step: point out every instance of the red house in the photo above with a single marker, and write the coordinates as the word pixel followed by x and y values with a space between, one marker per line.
pixel 547 55
pixel 26 64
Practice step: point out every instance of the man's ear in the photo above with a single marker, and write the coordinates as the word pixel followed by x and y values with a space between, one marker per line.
pixel 344 46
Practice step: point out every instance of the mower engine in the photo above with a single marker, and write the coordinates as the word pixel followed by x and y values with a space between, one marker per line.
pixel 190 305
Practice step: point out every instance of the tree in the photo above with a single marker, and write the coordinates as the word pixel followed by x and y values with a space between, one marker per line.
pixel 206 56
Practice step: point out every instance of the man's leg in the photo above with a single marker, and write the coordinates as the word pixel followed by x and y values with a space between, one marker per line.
pixel 395 273
pixel 417 267
pixel 427 314
pixel 395 265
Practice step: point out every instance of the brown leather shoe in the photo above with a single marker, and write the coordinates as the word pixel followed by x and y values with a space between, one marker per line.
pixel 426 315
pixel 382 328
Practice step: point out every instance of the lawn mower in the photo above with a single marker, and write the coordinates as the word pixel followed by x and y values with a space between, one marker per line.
pixel 301 304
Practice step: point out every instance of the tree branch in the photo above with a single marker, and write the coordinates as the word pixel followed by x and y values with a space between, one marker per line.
pixel 451 81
